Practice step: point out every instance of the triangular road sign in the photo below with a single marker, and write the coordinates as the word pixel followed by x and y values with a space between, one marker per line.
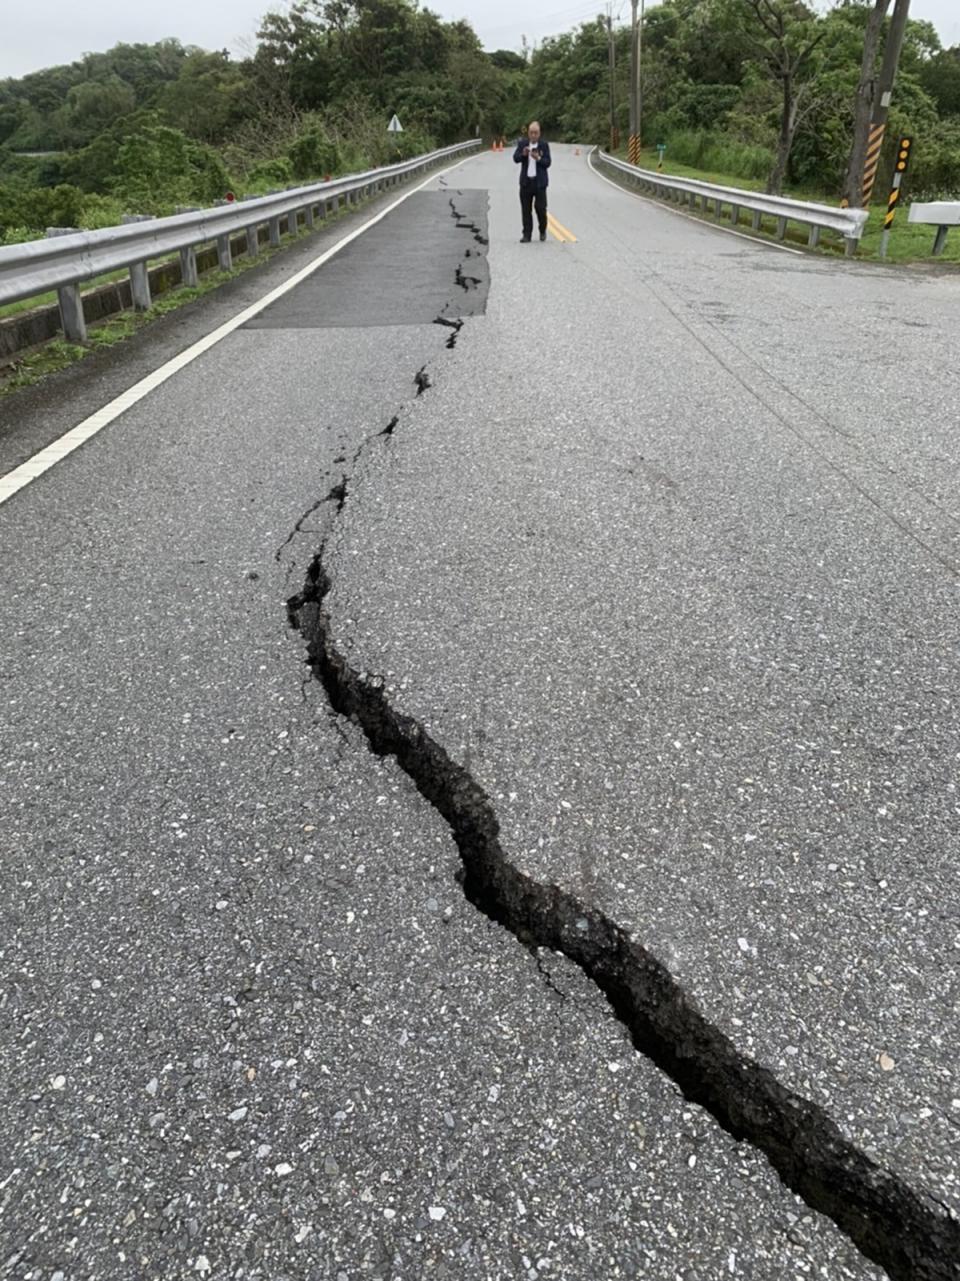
pixel 395 126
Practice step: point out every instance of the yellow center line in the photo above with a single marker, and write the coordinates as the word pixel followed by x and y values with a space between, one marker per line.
pixel 559 231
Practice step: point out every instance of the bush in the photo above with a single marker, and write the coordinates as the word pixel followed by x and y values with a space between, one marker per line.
pixel 37 208
pixel 159 167
pixel 17 235
pixel 360 129
pixel 272 173
pixel 410 143
pixel 935 164
pixel 313 154
pixel 102 211
pixel 719 154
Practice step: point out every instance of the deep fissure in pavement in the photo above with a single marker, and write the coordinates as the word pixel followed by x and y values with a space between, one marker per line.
pixel 913 1237
pixel 455 325
pixel 887 1220
pixel 467 283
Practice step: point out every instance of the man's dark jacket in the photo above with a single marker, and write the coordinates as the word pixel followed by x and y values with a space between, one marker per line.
pixel 542 179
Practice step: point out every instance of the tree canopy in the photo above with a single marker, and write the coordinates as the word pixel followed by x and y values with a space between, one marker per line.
pixel 764 89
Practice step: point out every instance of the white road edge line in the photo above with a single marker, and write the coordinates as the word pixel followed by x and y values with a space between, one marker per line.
pixel 13 481
pixel 702 222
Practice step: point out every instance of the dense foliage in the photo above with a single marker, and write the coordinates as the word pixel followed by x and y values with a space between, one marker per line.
pixel 146 127
pixel 714 93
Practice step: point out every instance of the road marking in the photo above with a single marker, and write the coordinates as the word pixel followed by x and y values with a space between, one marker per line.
pixel 559 231
pixel 21 476
pixel 701 222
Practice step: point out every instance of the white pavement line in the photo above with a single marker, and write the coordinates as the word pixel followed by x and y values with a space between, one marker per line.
pixel 13 481
pixel 701 222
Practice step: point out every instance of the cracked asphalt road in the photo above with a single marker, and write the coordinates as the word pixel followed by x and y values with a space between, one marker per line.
pixel 250 1025
pixel 694 630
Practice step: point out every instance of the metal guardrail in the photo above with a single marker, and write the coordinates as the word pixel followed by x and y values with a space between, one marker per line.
pixel 64 261
pixel 942 214
pixel 849 223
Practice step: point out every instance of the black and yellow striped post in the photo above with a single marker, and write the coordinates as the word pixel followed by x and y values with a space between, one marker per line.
pixel 874 146
pixel 633 149
pixel 900 168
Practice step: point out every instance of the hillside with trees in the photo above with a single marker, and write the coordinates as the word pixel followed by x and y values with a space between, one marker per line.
pixel 727 86
pixel 725 90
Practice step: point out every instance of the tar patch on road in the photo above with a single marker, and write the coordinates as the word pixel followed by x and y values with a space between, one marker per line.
pixel 426 259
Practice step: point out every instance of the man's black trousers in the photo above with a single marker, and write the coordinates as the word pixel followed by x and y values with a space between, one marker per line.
pixel 533 197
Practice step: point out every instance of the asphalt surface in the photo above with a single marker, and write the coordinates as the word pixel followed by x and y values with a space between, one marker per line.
pixel 691 640
pixel 682 594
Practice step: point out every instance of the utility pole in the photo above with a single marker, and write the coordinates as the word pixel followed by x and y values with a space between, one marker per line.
pixel 881 105
pixel 614 131
pixel 643 7
pixel 633 148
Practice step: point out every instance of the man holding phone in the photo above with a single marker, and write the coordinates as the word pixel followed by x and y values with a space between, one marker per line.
pixel 533 157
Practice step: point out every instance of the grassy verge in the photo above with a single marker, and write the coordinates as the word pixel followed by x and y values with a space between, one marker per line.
pixel 909 242
pixel 58 354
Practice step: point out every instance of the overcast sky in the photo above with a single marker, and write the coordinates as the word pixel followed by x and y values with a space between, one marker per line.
pixel 48 32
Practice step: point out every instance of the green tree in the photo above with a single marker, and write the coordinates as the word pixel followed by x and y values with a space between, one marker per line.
pixel 940 77
pixel 209 95
pixel 158 166
pixel 94 105
pixel 566 86
pixel 783 38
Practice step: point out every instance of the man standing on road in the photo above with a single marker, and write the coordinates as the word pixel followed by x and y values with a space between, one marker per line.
pixel 533 157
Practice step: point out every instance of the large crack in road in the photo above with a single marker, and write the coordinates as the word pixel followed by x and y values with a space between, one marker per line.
pixel 912 1237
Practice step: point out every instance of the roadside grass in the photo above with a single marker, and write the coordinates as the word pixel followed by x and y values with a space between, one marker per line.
pixel 59 354
pixel 909 242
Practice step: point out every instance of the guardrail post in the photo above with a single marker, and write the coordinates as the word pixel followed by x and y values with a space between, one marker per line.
pixel 781 228
pixel 72 319
pixel 308 217
pixel 940 241
pixel 814 238
pixel 71 313
pixel 756 220
pixel 140 286
pixel 224 253
pixel 735 215
pixel 274 233
pixel 292 225
pixel 139 276
pixel 252 233
pixel 718 211
pixel 189 276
